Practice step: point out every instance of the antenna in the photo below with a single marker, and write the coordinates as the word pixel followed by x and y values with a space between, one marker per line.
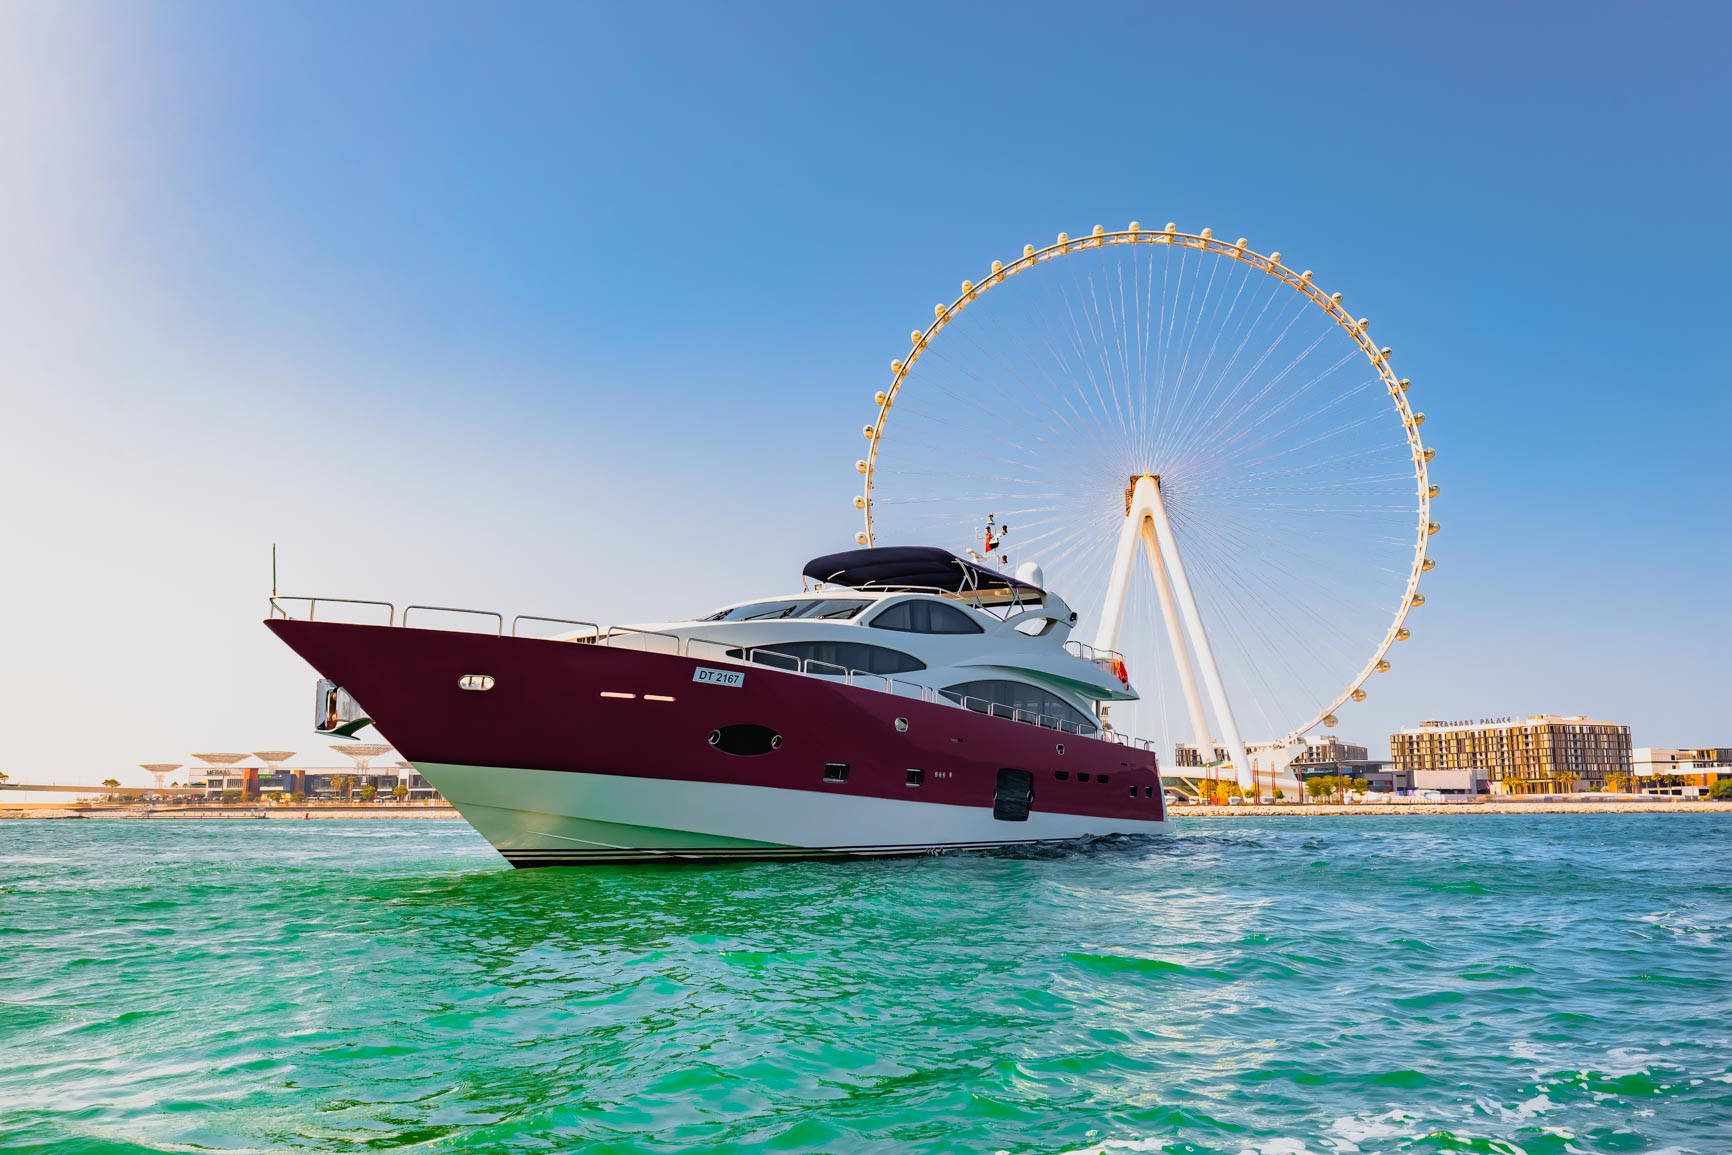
pixel 273 569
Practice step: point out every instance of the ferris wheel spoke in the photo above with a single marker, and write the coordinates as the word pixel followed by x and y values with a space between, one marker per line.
pixel 1066 373
pixel 1300 577
pixel 961 395
pixel 1325 637
pixel 975 435
pixel 1102 354
pixel 1377 454
pixel 1252 415
pixel 1235 614
pixel 1196 326
pixel 1029 389
pixel 1202 433
pixel 1186 422
pixel 1230 457
pixel 1237 449
pixel 1192 391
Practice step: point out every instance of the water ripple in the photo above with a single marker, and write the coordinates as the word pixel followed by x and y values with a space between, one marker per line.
pixel 1513 985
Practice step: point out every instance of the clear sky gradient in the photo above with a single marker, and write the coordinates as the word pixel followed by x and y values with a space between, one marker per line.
pixel 578 310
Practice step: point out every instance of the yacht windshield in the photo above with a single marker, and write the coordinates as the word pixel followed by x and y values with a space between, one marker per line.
pixel 835 609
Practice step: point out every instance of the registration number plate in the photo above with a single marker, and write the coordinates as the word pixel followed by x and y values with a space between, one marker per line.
pixel 713 677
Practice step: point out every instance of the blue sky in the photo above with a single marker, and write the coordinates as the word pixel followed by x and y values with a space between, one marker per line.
pixel 579 310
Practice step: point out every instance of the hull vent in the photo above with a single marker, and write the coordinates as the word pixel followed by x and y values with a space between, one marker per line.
pixel 745 740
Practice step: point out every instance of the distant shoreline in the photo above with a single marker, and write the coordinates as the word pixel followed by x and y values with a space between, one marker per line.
pixel 1452 809
pixel 50 812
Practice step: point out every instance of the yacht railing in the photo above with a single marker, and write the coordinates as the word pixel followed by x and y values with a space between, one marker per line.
pixel 1109 660
pixel 277 610
pixel 590 626
pixel 498 618
pixel 657 641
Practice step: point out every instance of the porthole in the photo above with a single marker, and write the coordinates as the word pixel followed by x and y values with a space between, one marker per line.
pixel 902 725
pixel 1060 747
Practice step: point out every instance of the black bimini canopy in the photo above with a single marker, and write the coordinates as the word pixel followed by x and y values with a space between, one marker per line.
pixel 912 567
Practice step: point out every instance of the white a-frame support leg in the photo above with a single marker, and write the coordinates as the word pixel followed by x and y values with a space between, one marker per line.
pixel 1147 520
pixel 1118 592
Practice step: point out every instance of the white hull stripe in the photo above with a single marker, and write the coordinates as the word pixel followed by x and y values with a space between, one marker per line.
pixel 538 817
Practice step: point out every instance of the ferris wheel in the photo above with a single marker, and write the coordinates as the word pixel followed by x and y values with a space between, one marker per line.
pixel 1170 398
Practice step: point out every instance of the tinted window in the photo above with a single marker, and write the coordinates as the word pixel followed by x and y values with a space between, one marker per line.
pixel 925 616
pixel 832 608
pixel 1004 697
pixel 847 655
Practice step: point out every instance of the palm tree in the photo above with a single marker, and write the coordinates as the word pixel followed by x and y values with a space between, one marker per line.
pixel 343 782
pixel 399 792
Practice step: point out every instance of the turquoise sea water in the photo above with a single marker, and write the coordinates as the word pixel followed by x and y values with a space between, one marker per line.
pixel 1270 985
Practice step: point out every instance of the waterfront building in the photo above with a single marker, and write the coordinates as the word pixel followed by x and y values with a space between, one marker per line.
pixel 224 774
pixel 1277 765
pixel 1462 783
pixel 1686 773
pixel 1329 749
pixel 1539 754
pixel 1330 757
pixel 220 772
pixel 1185 756
pixel 1380 777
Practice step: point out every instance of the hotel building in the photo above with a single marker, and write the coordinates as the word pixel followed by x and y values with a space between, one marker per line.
pixel 1540 754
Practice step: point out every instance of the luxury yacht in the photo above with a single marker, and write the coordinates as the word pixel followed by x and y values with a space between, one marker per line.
pixel 906 701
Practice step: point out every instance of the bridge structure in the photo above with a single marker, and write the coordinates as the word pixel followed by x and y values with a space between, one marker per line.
pixel 62 788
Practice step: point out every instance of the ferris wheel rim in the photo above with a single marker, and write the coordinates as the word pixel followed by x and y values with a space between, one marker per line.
pixel 1271 265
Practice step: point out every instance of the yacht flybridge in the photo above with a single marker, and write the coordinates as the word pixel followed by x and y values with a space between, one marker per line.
pixel 906 701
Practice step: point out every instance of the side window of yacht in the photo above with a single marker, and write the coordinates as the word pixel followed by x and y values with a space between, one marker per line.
pixel 830 608
pixel 757 611
pixel 834 609
pixel 925 616
pixel 868 659
pixel 1003 697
